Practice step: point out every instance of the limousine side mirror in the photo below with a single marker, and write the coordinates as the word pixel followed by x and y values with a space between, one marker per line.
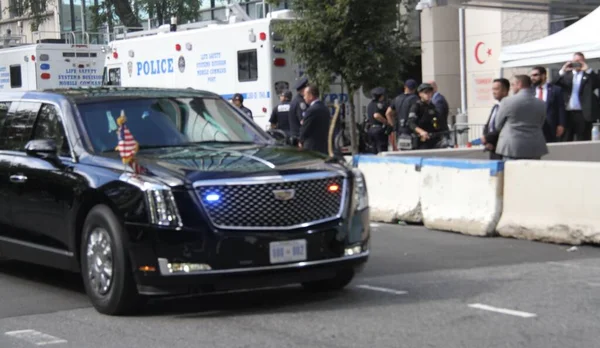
pixel 44 148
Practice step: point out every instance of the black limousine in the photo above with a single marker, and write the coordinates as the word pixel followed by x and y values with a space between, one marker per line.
pixel 166 192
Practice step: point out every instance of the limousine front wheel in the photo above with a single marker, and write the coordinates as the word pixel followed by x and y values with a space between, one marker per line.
pixel 105 266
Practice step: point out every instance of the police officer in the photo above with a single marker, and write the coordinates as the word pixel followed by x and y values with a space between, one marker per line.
pixel 423 119
pixel 379 125
pixel 238 100
pixel 297 108
pixel 280 115
pixel 401 105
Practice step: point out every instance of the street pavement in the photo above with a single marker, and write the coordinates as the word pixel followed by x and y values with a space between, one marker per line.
pixel 421 288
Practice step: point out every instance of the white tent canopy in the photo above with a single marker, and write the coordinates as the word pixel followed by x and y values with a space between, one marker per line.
pixel 581 36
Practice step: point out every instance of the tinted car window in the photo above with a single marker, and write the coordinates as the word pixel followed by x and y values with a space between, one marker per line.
pixel 17 128
pixel 49 126
pixel 156 122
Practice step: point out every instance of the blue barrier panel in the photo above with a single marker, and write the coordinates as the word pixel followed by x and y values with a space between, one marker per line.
pixel 494 166
pixel 386 159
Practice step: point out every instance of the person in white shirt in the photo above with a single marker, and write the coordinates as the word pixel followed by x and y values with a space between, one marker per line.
pixel 579 83
pixel 500 90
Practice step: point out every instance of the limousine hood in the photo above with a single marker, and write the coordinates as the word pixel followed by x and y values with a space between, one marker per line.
pixel 193 163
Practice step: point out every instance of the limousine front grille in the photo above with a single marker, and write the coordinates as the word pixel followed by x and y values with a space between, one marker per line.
pixel 273 203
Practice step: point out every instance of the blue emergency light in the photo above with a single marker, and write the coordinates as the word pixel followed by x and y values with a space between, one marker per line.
pixel 212 197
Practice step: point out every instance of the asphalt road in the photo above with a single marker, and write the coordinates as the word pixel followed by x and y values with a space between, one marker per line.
pixel 420 289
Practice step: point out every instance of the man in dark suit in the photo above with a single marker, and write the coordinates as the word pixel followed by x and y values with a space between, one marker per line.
pixel 556 117
pixel 500 90
pixel 315 125
pixel 579 83
pixel 441 106
pixel 297 108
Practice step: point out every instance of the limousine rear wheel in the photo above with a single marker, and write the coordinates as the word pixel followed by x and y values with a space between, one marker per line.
pixel 105 266
pixel 340 281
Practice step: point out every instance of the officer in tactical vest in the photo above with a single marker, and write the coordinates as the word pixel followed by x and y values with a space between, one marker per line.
pixel 280 115
pixel 423 119
pixel 297 108
pixel 379 126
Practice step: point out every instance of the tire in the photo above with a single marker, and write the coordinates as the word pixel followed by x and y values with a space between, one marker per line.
pixel 118 296
pixel 339 282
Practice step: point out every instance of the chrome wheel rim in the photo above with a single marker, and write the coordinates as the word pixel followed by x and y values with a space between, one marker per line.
pixel 100 261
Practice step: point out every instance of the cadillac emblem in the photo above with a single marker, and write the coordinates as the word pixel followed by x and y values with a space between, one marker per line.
pixel 284 195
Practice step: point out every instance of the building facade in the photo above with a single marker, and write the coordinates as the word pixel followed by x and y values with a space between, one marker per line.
pixel 486 29
pixel 435 29
pixel 16 24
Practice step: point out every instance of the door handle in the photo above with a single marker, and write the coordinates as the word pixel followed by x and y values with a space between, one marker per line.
pixel 18 179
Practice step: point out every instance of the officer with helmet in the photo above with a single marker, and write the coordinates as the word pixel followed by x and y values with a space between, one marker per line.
pixel 379 126
pixel 423 120
pixel 280 115
pixel 238 100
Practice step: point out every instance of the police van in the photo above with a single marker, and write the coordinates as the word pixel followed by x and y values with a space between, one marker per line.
pixel 240 55
pixel 49 63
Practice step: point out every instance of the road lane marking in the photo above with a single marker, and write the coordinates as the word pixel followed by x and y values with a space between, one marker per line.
pixel 35 337
pixel 374 225
pixel 386 290
pixel 503 310
pixel 573 265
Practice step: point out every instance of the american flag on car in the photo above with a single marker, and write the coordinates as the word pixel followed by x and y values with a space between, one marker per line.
pixel 127 144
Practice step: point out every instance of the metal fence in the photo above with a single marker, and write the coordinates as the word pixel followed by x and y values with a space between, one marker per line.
pixel 463 134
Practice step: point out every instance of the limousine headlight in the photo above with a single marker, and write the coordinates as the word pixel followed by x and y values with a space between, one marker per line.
pixel 162 208
pixel 361 199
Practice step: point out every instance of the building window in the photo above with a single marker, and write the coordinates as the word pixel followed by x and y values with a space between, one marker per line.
pixel 220 14
pixel 15 8
pixel 247 66
pixel 559 22
pixel 66 15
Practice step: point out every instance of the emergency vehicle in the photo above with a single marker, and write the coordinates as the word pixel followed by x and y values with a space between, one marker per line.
pixel 240 55
pixel 49 63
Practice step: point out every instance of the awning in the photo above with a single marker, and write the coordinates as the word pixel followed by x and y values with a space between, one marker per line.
pixel 582 36
pixel 557 7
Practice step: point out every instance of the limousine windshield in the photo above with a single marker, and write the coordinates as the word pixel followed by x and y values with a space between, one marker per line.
pixel 167 121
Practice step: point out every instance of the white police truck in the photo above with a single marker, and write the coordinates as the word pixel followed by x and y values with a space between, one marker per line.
pixel 238 56
pixel 48 62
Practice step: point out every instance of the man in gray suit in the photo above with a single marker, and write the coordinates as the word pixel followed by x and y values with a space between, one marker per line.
pixel 520 120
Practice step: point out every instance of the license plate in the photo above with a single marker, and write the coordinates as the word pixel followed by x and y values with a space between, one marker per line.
pixel 288 251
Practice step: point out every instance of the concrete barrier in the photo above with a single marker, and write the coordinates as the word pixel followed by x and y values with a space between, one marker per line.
pixel 551 201
pixel 585 151
pixel 461 195
pixel 465 153
pixel 393 184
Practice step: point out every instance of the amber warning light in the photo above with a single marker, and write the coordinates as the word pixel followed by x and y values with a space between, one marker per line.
pixel 333 188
